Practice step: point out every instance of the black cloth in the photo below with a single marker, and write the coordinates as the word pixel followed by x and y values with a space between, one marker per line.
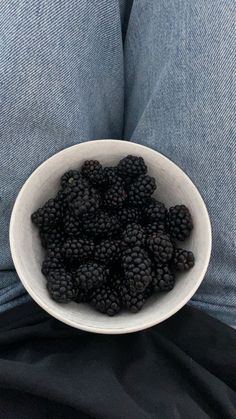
pixel 182 368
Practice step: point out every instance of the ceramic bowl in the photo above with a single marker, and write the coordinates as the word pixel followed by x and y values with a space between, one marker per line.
pixel 173 187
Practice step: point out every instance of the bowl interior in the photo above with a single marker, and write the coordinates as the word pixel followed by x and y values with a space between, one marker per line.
pixel 173 187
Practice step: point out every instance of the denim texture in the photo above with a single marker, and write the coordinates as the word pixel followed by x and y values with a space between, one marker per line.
pixel 161 73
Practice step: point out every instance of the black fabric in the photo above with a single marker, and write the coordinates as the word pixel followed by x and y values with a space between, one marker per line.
pixel 182 368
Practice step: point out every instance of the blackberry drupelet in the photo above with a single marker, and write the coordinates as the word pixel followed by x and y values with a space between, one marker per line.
pixel 183 260
pixel 47 216
pixel 101 225
pixel 155 211
pixel 133 301
pixel 115 197
pixel 93 171
pixel 163 279
pixel 161 247
pixel 90 275
pixel 154 227
pixel 131 167
pixel 137 269
pixel 69 178
pixel 72 225
pixel 54 235
pixel 141 190
pixel 133 235
pixel 128 215
pixel 106 251
pixel 60 286
pixel 106 300
pixel 51 264
pixel 180 222
pixel 77 250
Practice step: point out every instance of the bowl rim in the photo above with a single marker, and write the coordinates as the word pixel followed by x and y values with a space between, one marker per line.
pixel 94 329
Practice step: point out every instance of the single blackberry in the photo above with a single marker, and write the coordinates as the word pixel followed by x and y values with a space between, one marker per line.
pixel 69 178
pixel 163 279
pixel 183 260
pixel 115 197
pixel 85 203
pixel 180 222
pixel 128 215
pixel 60 286
pixel 154 227
pixel 106 251
pixel 90 275
pixel 133 235
pixel 72 226
pixel 161 247
pixel 54 235
pixel 93 171
pixel 137 269
pixel 131 167
pixel 77 250
pixel 133 301
pixel 155 211
pixel 47 216
pixel 101 225
pixel 141 190
pixel 51 264
pixel 106 301
pixel 74 191
pixel 111 177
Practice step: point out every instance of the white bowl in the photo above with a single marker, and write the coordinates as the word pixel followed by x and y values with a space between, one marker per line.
pixel 173 187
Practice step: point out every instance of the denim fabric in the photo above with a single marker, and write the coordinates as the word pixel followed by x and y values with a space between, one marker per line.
pixel 157 72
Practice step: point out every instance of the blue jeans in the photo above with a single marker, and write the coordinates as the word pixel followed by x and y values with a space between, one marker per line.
pixel 157 72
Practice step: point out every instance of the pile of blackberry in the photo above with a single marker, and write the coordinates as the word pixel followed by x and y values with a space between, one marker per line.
pixel 108 242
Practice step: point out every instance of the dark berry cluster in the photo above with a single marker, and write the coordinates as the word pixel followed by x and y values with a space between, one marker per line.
pixel 108 242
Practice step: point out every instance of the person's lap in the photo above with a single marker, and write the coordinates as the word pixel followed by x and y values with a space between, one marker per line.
pixel 66 78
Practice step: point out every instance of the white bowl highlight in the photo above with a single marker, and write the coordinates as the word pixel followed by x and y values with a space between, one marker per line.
pixel 173 187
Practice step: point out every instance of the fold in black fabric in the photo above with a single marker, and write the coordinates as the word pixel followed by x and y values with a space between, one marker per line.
pixel 182 368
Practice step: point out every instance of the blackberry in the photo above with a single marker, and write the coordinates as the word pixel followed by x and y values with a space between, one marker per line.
pixel 141 190
pixel 115 197
pixel 72 226
pixel 60 286
pixel 163 280
pixel 101 225
pixel 137 269
pixel 74 191
pixel 111 177
pixel 93 171
pixel 133 301
pixel 90 275
pixel 133 235
pixel 51 264
pixel 69 178
pixel 106 251
pixel 183 260
pixel 155 227
pixel 128 215
pixel 54 252
pixel 55 235
pixel 77 250
pixel 161 247
pixel 180 222
pixel 85 203
pixel 131 167
pixel 47 216
pixel 155 211
pixel 106 301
